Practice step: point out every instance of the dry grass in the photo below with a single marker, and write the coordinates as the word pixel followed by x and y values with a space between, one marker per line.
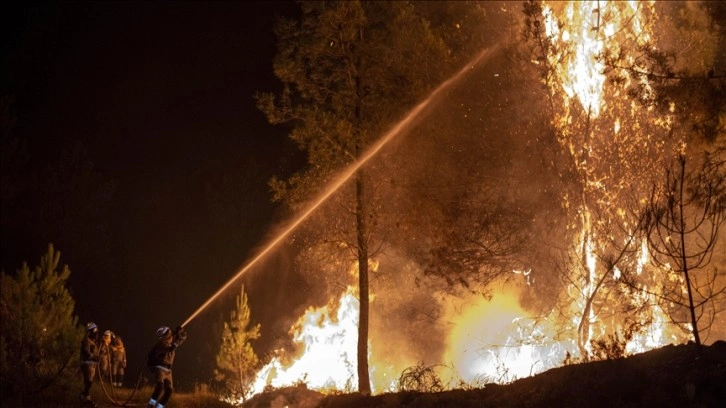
pixel 116 397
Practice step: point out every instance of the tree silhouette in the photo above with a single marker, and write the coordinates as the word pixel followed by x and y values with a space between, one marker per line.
pixel 686 206
pixel 684 219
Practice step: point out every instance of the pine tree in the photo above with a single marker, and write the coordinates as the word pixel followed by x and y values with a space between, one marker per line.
pixel 350 70
pixel 236 360
pixel 39 326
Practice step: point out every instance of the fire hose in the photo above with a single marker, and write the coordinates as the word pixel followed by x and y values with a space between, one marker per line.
pixel 112 398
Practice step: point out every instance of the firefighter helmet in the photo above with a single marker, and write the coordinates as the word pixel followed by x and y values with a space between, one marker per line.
pixel 162 331
pixel 91 327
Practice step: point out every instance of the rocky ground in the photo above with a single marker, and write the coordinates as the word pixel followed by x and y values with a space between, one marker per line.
pixel 671 376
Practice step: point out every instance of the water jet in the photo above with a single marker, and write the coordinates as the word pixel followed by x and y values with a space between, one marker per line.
pixel 345 175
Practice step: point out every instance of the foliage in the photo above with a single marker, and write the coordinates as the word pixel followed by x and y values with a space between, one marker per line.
pixel 608 348
pixel 688 81
pixel 39 328
pixel 614 344
pixel 372 61
pixel 236 360
pixel 421 378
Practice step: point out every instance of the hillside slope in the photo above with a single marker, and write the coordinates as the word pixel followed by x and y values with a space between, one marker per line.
pixel 667 377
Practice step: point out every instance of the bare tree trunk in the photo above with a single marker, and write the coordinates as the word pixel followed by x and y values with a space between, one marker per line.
pixel 682 226
pixel 364 386
pixel 361 197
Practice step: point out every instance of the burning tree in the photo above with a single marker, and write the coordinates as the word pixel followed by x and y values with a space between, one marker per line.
pixel 566 43
pixel 350 69
pixel 236 360
pixel 597 59
pixel 686 208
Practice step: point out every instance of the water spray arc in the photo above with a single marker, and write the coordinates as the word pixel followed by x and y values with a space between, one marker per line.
pixel 346 175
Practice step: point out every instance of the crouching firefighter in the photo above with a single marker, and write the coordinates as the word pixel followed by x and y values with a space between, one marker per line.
pixel 160 361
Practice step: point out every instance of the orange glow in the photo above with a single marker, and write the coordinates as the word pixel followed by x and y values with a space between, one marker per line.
pixel 498 341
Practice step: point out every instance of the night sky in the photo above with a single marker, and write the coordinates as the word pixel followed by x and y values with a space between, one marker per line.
pixel 160 96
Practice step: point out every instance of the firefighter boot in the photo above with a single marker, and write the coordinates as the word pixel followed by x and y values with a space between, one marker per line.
pixel 86 401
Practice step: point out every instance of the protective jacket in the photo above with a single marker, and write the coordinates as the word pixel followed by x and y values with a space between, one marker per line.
pixel 162 355
pixel 89 351
pixel 104 358
pixel 118 355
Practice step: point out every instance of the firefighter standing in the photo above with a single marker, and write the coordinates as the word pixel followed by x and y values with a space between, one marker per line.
pixel 89 361
pixel 160 361
pixel 104 363
pixel 118 361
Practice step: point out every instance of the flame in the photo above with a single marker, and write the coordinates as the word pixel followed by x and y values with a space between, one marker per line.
pixel 585 78
pixel 497 341
pixel 488 341
pixel 591 28
pixel 582 34
pixel 328 341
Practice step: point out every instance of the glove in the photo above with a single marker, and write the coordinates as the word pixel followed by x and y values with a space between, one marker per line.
pixel 179 336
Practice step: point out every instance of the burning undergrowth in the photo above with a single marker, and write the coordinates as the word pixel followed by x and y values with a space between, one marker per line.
pixel 665 377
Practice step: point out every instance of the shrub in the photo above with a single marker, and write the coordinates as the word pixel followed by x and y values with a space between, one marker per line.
pixel 40 331
pixel 420 378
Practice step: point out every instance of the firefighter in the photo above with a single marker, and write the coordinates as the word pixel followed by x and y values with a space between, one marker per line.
pixel 118 361
pixel 104 363
pixel 89 361
pixel 160 361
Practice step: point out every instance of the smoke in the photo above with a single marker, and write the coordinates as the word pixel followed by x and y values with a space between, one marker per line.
pixel 485 144
pixel 487 147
